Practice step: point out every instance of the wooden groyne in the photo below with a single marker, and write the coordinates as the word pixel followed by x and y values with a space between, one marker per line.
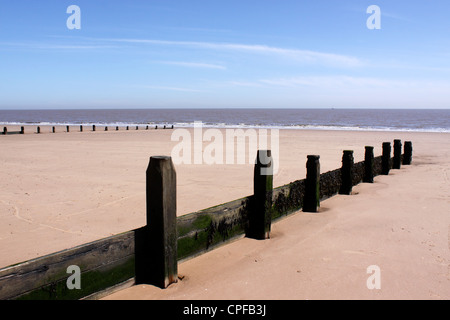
pixel 150 254
pixel 81 128
pixel 6 131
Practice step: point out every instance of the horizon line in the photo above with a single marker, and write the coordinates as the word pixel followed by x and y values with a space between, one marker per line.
pixel 222 108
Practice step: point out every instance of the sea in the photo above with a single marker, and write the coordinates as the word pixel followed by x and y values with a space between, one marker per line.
pixel 420 120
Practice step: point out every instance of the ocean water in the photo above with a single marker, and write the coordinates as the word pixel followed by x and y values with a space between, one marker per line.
pixel 319 119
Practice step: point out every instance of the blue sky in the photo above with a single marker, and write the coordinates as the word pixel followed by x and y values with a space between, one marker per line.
pixel 224 54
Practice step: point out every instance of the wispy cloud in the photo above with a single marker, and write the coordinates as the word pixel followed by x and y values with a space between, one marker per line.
pixel 337 81
pixel 72 47
pixel 197 29
pixel 299 55
pixel 49 46
pixel 245 84
pixel 394 16
pixel 193 64
pixel 171 88
pixel 341 81
pixel 384 14
pixel 296 54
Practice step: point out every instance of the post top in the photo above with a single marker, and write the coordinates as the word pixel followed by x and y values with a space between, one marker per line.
pixel 313 157
pixel 161 157
pixel 267 153
pixel 264 158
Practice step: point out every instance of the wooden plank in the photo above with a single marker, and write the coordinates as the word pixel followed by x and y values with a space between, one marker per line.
pixel 92 281
pixel 288 199
pixel 330 183
pixel 377 166
pixel 97 256
pixel 201 231
pixel 110 290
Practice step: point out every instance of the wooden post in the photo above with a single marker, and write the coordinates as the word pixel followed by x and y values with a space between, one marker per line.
pixel 81 128
pixel 311 200
pixel 407 154
pixel 347 172
pixel 67 128
pixel 368 165
pixel 117 128
pixel 156 127
pixel 53 129
pixel 146 128
pixel 260 216
pixel 5 130
pixel 106 128
pixel 156 251
pixel 127 127
pixel 397 154
pixel 38 130
pixel 386 158
pixel 22 130
pixel 93 127
pixel 137 127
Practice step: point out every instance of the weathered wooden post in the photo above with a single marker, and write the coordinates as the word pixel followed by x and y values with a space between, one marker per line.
pixel 81 128
pixel 407 154
pixel 93 127
pixel 117 128
pixel 347 172
pixel 156 127
pixel 38 130
pixel 22 130
pixel 368 164
pixel 127 128
pixel 106 128
pixel 397 154
pixel 137 127
pixel 311 200
pixel 53 129
pixel 156 250
pixel 386 158
pixel 260 216
pixel 67 128
pixel 5 130
pixel 146 128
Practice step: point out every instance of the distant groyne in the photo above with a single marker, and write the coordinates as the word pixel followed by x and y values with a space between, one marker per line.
pixel 77 128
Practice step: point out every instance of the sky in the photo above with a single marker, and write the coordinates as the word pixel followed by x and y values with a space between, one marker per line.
pixel 224 54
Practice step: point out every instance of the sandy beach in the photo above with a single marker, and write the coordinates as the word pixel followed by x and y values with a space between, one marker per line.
pixel 65 189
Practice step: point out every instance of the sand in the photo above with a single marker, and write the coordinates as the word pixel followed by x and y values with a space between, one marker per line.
pixel 65 189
